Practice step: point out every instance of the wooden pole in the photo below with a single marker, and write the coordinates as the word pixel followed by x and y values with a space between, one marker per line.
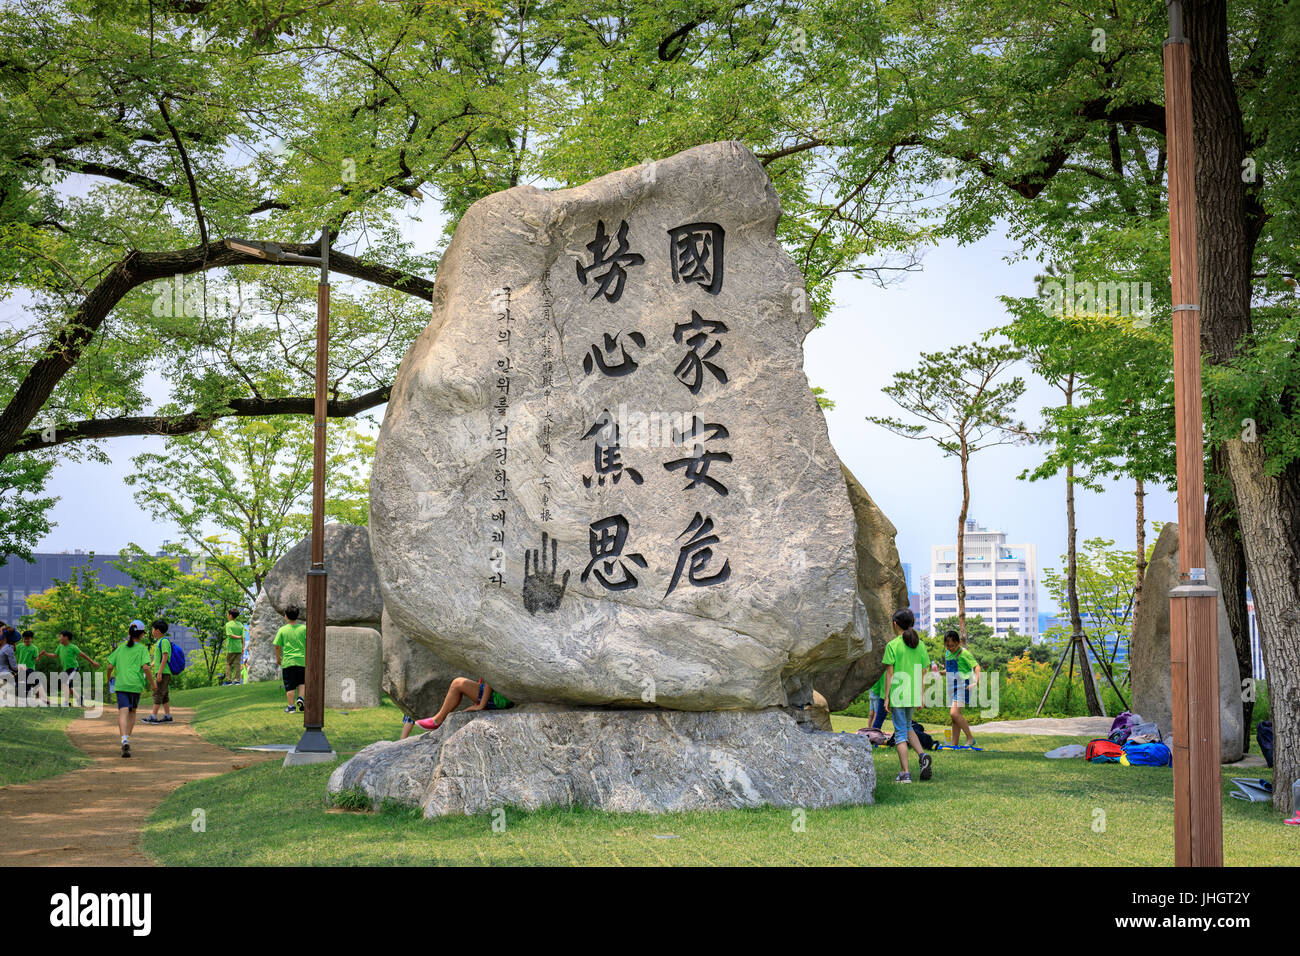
pixel 1193 605
pixel 313 737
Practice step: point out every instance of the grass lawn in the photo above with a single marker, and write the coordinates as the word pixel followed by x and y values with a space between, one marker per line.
pixel 1008 805
pixel 34 744
pixel 254 714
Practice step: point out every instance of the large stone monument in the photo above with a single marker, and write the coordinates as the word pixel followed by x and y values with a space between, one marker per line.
pixel 603 480
pixel 1149 649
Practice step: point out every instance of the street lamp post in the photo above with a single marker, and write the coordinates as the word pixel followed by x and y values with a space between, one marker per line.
pixel 313 746
pixel 1193 605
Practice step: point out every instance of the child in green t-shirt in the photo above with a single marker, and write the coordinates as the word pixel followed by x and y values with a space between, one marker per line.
pixel 463 689
pixel 960 669
pixel 291 655
pixel 876 697
pixel 234 647
pixel 27 654
pixel 161 658
pixel 129 661
pixel 68 655
pixel 905 661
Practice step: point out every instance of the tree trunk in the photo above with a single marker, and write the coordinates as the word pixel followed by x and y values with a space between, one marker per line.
pixel 1223 535
pixel 1071 584
pixel 961 542
pixel 1268 506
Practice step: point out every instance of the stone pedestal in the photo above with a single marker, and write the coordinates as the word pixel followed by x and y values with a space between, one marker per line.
pixel 353 667
pixel 542 755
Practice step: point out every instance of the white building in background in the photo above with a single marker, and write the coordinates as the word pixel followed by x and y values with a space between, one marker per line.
pixel 1001 582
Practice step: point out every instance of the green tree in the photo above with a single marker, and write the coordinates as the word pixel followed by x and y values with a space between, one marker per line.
pixel 23 509
pixel 193 599
pixel 1050 119
pixel 250 480
pixel 964 409
pixel 96 615
pixel 1106 597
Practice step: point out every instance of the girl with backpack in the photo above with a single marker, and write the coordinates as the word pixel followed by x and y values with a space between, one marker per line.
pixel 906 661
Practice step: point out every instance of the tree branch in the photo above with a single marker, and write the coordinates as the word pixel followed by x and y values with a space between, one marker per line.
pixel 138 268
pixel 194 421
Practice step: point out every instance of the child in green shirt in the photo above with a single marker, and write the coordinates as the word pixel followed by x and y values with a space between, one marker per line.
pixel 234 646
pixel 291 655
pixel 68 655
pixel 161 660
pixel 27 654
pixel 905 661
pixel 130 662
pixel 960 668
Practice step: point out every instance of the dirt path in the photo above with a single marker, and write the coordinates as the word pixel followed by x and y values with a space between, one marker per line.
pixel 93 816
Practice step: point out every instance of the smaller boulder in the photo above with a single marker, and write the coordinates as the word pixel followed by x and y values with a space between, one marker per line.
pixel 352 591
pixel 263 623
pixel 353 667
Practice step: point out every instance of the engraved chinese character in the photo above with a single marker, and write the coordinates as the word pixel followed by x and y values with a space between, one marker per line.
pixel 696 254
pixel 698 550
pixel 697 464
pixel 690 371
pixel 607 454
pixel 602 359
pixel 610 282
pixel 608 537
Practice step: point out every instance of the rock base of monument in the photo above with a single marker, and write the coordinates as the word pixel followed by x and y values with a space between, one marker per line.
pixel 300 758
pixel 540 755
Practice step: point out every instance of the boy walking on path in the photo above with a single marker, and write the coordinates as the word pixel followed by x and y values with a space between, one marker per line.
pixel 161 658
pixel 906 661
pixel 129 661
pixel 291 655
pixel 68 655
pixel 234 647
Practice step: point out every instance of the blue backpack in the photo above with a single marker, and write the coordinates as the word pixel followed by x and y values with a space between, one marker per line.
pixel 176 661
pixel 1148 755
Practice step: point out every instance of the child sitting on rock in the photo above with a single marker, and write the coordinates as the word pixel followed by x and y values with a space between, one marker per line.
pixel 463 688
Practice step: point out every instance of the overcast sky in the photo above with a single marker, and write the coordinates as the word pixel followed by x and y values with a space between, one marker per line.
pixel 871 334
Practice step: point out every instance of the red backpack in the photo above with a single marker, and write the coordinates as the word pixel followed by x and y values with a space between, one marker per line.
pixel 1103 751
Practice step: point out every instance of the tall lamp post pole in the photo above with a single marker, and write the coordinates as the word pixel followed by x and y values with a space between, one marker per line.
pixel 1193 605
pixel 313 745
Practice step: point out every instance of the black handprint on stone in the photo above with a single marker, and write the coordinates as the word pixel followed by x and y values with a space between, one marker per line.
pixel 540 590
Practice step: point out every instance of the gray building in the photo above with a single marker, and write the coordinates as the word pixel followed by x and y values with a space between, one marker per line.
pixel 19 580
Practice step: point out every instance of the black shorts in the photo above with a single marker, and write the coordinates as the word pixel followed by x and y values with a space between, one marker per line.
pixel 294 677
pixel 128 700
